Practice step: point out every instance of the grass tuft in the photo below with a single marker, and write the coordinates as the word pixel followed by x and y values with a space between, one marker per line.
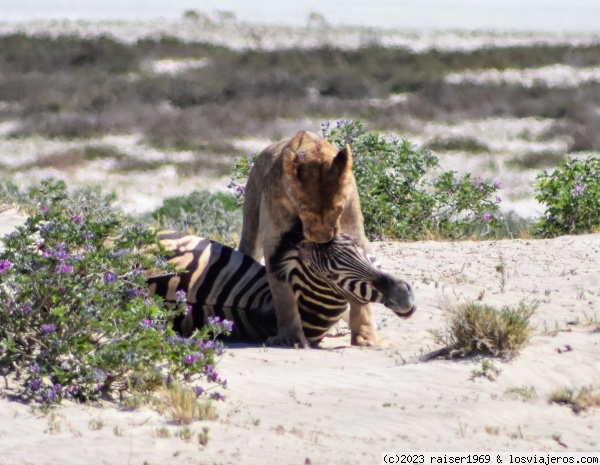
pixel 182 406
pixel 579 399
pixel 524 392
pixel 474 328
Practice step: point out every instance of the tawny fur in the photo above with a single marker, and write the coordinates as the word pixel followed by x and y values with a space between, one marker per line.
pixel 306 179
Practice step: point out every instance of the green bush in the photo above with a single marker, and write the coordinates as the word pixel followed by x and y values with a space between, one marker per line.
pixel 571 194
pixel 76 320
pixel 474 328
pixel 213 215
pixel 398 198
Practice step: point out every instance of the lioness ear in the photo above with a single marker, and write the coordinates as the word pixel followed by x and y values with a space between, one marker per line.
pixel 289 162
pixel 343 160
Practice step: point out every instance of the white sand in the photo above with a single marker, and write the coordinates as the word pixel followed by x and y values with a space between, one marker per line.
pixel 346 405
pixel 243 35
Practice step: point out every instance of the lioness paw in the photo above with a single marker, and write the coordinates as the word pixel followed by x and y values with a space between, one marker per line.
pixel 289 340
pixel 365 340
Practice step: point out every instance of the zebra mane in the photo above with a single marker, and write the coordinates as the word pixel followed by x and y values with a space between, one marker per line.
pixel 284 261
pixel 325 258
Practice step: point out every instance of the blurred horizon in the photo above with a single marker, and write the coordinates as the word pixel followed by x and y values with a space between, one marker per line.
pixel 561 16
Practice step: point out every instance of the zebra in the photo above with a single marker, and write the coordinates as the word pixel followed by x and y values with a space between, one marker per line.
pixel 222 282
pixel 325 277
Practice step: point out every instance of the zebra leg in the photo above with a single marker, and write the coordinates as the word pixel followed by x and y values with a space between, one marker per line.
pixel 289 324
pixel 363 330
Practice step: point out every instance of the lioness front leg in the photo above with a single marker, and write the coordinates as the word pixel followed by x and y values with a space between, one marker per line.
pixel 363 331
pixel 289 324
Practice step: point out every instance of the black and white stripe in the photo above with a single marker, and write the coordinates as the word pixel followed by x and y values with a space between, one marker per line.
pixel 220 281
pixel 325 277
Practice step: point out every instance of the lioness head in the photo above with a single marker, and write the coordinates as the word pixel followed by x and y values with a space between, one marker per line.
pixel 317 181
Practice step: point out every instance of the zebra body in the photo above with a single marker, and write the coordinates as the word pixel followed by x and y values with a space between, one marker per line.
pixel 221 281
pixel 218 281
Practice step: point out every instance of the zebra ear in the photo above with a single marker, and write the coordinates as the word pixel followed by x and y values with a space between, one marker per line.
pixel 333 276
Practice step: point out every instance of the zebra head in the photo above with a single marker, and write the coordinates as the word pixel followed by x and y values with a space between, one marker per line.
pixel 346 268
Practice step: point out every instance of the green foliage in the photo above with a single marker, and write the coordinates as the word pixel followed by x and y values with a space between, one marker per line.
pixel 241 171
pixel 399 201
pixel 213 215
pixel 76 319
pixel 474 328
pixel 572 197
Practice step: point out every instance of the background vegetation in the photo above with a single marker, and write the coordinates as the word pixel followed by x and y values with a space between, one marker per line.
pixel 80 87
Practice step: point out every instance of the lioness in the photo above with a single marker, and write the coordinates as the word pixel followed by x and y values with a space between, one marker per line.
pixel 302 182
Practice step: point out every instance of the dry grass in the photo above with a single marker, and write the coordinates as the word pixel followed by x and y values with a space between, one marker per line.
pixel 182 406
pixel 474 328
pixel 524 392
pixel 487 370
pixel 579 399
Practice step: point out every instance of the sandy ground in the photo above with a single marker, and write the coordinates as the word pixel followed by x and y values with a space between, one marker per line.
pixel 346 405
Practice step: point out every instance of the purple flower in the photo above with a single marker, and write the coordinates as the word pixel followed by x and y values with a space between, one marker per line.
pixel 76 218
pixel 64 269
pixel 203 345
pixel 61 253
pixel 498 199
pixel 4 266
pixel 132 293
pixel 189 359
pixel 45 229
pixel 180 295
pixel 44 209
pixel 210 373
pixel 217 396
pixel 110 277
pixel 227 325
pixel 578 190
pixel 497 185
pixel 213 320
pixel 188 309
pixel 147 323
pixel 35 368
pixel 49 395
pixel 486 217
pixel 72 390
pixel 48 329
pixel 198 390
pixel 36 384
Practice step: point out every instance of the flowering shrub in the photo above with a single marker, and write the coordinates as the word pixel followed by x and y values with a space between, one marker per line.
pixel 76 320
pixel 572 198
pixel 399 201
pixel 241 171
pixel 212 215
